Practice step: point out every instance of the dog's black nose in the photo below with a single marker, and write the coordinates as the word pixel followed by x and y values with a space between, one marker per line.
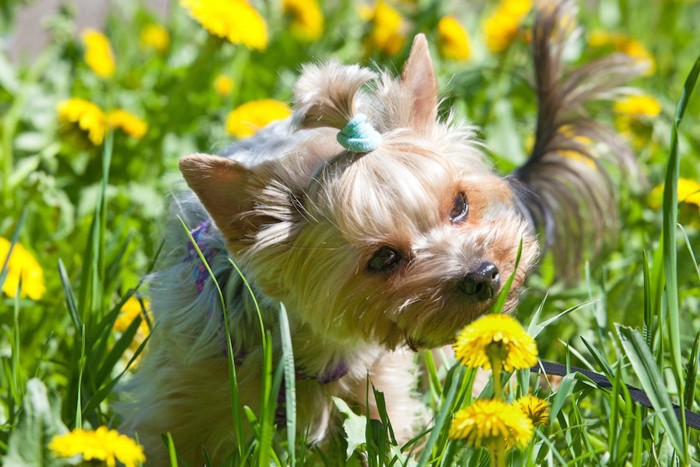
pixel 481 283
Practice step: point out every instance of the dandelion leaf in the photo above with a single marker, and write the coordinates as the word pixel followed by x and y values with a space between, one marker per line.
pixel 40 421
pixel 354 426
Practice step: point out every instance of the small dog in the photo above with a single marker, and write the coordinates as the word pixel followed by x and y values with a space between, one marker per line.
pixel 380 228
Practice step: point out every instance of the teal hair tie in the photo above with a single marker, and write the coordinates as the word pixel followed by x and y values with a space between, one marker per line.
pixel 359 135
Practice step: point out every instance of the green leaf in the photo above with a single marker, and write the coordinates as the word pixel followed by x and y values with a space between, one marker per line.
pixel 564 391
pixel 354 426
pixel 445 411
pixel 500 301
pixel 534 328
pixel 172 453
pixel 599 358
pixel 652 382
pixel 40 421
pixel 692 374
pixel 4 270
pixel 287 361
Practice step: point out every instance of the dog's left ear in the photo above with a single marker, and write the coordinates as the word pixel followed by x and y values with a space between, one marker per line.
pixel 418 79
pixel 226 189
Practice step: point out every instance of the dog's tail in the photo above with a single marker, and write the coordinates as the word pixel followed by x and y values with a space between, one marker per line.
pixel 564 189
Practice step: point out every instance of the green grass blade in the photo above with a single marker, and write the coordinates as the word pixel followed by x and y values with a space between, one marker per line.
pixel 441 419
pixel 613 419
pixel 15 375
pixel 79 389
pixel 432 373
pixel 534 329
pixel 648 316
pixel 535 318
pixel 14 238
pixel 637 444
pixel 383 415
pixel 658 284
pixel 252 296
pixel 503 294
pixel 172 454
pixel 564 391
pixel 103 392
pixel 652 382
pixel 670 219
pixel 692 374
pixel 268 406
pixel 287 362
pixel 117 351
pixel 598 357
pixel 91 293
pixel 688 245
pixel 106 324
pixel 70 298
pixel 236 409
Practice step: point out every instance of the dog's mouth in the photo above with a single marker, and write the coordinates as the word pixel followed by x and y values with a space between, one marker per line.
pixel 450 318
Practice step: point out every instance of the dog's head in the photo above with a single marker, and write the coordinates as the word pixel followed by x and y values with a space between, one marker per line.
pixel 404 244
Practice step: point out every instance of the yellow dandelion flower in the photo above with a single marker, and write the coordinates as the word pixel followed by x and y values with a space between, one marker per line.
pixel 638 106
pixel 485 423
pixel 573 153
pixel 247 119
pixel 453 40
pixel 624 44
pixel 102 444
pixel 22 265
pixel 535 408
pixel 688 193
pixel 502 27
pixel 385 34
pixel 131 310
pixel 306 18
pixel 223 84
pixel 154 36
pixel 636 50
pixel 496 333
pixel 87 115
pixel 634 118
pixel 599 38
pixel 131 124
pixel 235 20
pixel 98 53
pixel 365 12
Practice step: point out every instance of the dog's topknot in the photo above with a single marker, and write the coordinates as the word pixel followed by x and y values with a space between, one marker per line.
pixel 325 95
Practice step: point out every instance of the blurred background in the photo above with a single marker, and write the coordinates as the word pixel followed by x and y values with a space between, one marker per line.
pixel 29 38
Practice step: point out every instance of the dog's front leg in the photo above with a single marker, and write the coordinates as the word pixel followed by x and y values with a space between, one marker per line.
pixel 395 374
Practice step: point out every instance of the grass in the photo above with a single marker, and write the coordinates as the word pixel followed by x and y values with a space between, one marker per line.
pixel 91 215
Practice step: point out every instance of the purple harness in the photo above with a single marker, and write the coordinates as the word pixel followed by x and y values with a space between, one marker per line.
pixel 200 273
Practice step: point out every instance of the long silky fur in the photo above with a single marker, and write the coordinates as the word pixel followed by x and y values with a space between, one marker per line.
pixel 571 199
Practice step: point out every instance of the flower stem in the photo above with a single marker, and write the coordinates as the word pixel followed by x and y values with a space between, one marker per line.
pixel 496 361
pixel 499 453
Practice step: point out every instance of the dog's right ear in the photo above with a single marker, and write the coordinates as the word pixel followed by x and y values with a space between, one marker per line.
pixel 226 190
pixel 418 78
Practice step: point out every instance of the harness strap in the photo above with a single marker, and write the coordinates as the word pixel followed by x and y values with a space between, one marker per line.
pixel 692 419
pixel 200 273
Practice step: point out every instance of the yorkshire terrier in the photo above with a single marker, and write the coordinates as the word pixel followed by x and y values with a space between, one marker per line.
pixel 382 230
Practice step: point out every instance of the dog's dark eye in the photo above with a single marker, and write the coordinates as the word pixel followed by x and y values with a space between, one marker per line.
pixel 384 259
pixel 460 208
